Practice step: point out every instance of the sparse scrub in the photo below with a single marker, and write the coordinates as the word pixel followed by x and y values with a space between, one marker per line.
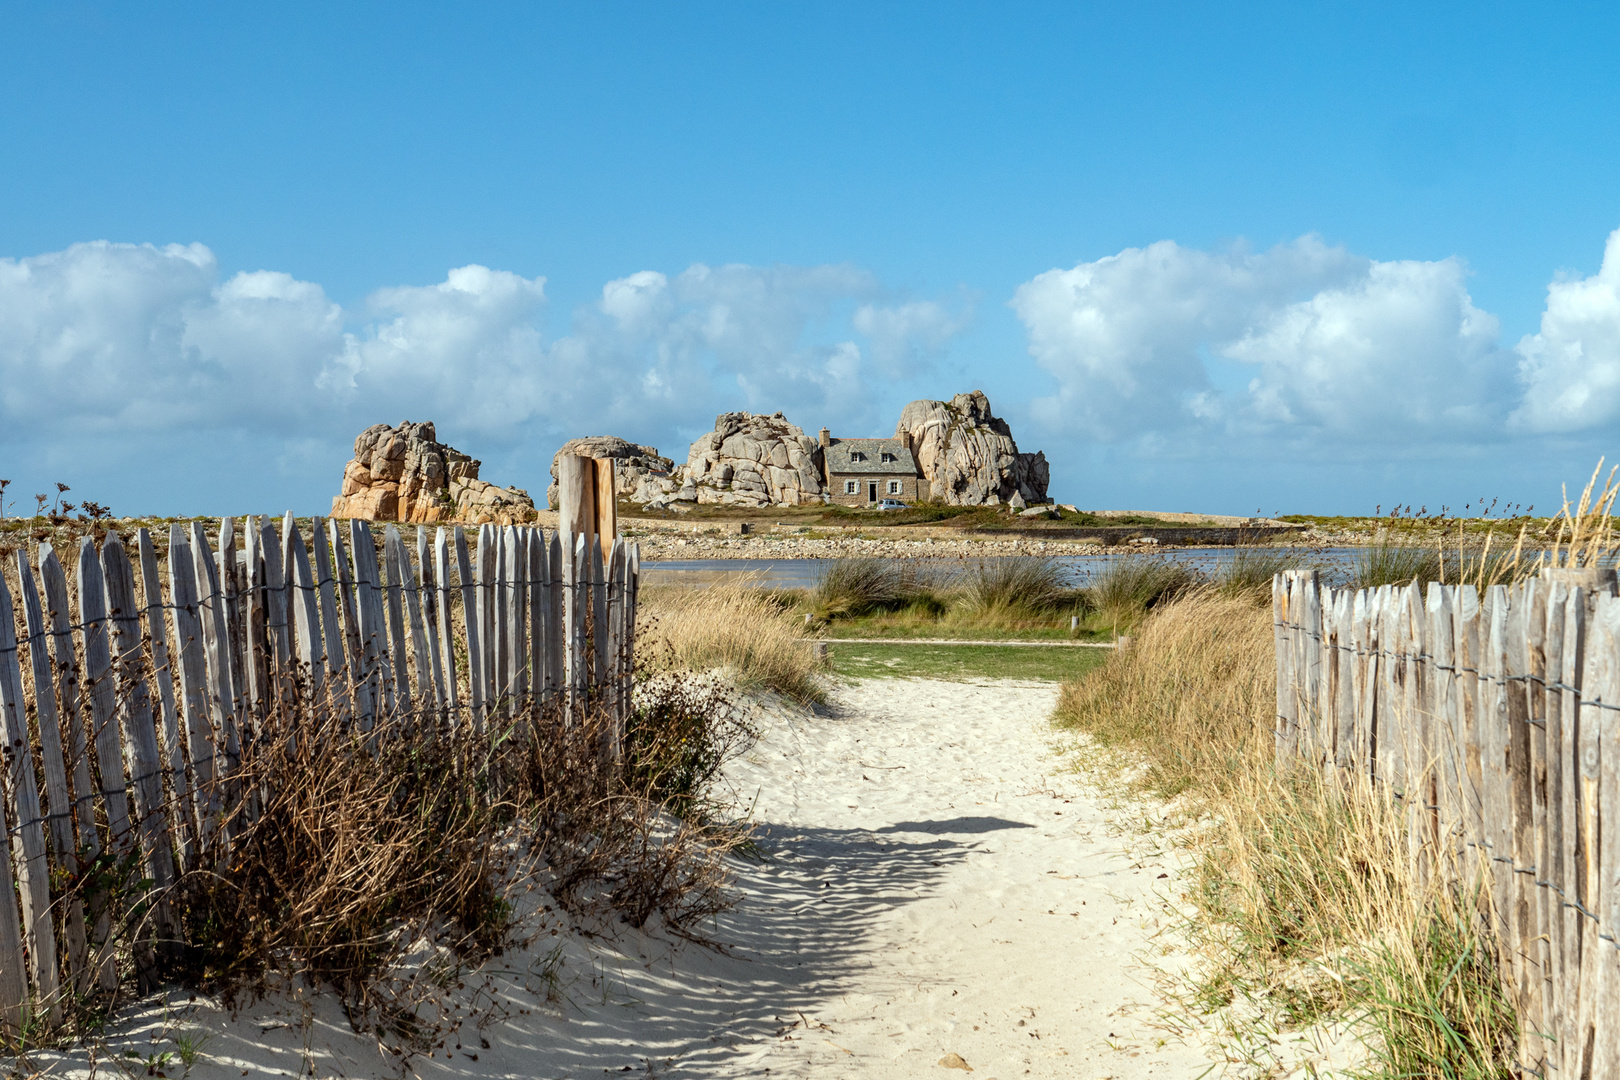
pixel 1305 902
pixel 338 847
pixel 740 629
pixel 630 839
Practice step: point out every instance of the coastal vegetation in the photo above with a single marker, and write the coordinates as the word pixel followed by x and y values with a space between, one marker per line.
pixel 1304 907
pixel 1309 911
pixel 745 632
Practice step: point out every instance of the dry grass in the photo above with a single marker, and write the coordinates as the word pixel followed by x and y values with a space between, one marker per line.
pixel 1194 691
pixel 1305 906
pixel 733 627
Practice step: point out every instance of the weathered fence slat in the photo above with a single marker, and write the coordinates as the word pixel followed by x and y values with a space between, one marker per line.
pixel 68 681
pixel 98 679
pixel 500 620
pixel 599 638
pixel 1568 770
pixel 576 574
pixel 393 550
pixel 365 700
pixel 556 626
pixel 58 794
pixel 1606 1028
pixel 311 642
pixel 516 561
pixel 428 597
pixel 163 673
pixel 28 830
pixel 491 688
pixel 447 630
pixel 188 637
pixel 140 733
pixel 13 981
pixel 370 623
pixel 539 630
pixel 470 607
pixel 218 643
pixel 232 578
pixel 332 648
pixel 421 654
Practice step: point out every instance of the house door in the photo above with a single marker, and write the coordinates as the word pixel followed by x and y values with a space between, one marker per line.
pixel 871 491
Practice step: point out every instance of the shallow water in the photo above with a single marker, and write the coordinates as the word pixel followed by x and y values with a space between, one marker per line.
pixel 1078 569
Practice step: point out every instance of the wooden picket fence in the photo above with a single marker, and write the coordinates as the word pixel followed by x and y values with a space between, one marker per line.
pixel 1494 717
pixel 135 700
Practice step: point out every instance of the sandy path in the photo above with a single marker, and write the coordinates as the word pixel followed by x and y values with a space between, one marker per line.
pixel 975 897
pixel 936 884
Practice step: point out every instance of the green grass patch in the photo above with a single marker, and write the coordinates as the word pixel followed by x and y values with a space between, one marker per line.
pixel 962 662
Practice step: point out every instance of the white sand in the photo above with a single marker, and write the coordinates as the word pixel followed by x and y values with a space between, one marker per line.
pixel 937 884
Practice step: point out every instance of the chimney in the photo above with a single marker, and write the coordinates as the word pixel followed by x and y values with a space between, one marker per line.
pixel 826 438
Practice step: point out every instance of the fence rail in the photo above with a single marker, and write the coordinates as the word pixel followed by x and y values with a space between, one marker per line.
pixel 1494 717
pixel 136 703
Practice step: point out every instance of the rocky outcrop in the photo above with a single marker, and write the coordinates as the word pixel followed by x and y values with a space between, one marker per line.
pixel 639 474
pixel 405 474
pixel 754 460
pixel 968 455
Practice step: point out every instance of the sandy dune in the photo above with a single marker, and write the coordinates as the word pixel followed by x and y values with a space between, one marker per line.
pixel 937 885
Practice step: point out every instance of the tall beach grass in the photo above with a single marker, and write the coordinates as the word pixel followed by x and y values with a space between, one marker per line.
pixel 736 627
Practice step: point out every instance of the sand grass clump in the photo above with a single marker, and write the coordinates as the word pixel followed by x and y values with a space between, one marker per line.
pixel 1128 586
pixel 1020 585
pixel 734 627
pixel 1251 568
pixel 1306 904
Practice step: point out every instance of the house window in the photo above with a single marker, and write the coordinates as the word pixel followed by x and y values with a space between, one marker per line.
pixel 849 487
pixel 894 487
pixel 887 458
pixel 856 455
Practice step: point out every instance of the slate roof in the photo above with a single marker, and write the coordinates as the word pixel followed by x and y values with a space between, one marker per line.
pixel 840 461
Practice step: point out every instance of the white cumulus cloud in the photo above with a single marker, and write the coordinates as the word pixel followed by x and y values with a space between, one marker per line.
pixel 1571 369
pixel 133 338
pixel 1301 340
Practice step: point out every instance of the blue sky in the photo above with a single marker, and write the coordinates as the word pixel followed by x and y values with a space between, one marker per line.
pixel 1208 257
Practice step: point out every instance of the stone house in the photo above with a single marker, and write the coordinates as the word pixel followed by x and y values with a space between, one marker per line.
pixel 863 472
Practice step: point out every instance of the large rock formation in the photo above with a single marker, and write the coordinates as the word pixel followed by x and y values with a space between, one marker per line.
pixel 639 474
pixel 404 474
pixel 754 460
pixel 968 455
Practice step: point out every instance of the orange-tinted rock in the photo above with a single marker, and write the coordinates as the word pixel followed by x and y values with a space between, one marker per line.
pixel 405 474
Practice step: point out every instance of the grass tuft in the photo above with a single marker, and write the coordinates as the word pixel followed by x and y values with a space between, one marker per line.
pixel 1024 585
pixel 1126 587
pixel 743 630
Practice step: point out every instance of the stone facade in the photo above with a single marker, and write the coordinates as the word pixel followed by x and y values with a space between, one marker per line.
pixel 404 473
pixel 639 474
pixel 862 472
pixel 967 454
